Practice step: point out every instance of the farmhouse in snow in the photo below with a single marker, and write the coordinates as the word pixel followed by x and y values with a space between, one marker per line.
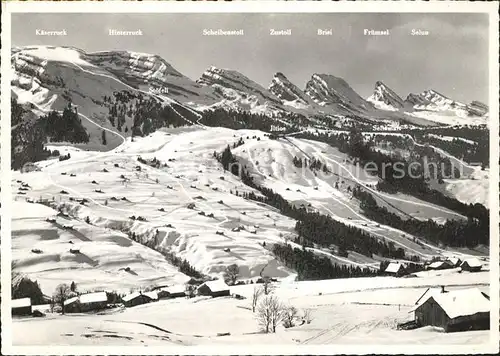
pixel 176 291
pixel 459 310
pixel 471 265
pixel 395 269
pixel 86 302
pixel 454 261
pixel 153 295
pixel 438 265
pixel 136 298
pixel 217 288
pixel 21 306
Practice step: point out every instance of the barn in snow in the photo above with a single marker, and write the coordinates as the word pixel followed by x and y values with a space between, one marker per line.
pixel 217 288
pixel 471 265
pixel 439 265
pixel 176 291
pixel 86 302
pixel 395 269
pixel 21 306
pixel 459 310
pixel 136 298
pixel 153 295
pixel 454 261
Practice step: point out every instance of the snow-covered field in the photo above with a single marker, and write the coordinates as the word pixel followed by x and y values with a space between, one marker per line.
pixel 452 117
pixel 344 311
pixel 177 202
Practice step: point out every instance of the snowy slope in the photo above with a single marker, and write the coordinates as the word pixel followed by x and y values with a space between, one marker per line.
pixel 163 196
pixel 103 259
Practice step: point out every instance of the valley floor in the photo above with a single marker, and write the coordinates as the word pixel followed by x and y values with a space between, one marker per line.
pixel 351 311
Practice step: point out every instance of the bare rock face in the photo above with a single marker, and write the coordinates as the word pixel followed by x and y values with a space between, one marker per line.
pixel 326 89
pixel 287 91
pixel 385 96
pixel 232 84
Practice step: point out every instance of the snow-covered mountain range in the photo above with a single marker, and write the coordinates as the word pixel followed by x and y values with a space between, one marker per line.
pixel 385 98
pixel 50 77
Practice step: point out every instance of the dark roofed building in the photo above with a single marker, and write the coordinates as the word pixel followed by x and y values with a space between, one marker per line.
pixel 471 265
pixel 86 302
pixel 395 269
pixel 136 298
pixel 177 291
pixel 454 261
pixel 217 288
pixel 21 306
pixel 439 265
pixel 460 310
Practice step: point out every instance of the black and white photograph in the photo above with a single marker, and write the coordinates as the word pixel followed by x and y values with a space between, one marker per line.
pixel 280 179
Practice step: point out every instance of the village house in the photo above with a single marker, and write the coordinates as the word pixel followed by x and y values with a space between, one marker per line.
pixel 176 291
pixel 153 295
pixel 86 303
pixel 395 269
pixel 471 265
pixel 217 288
pixel 439 265
pixel 454 261
pixel 136 298
pixel 21 306
pixel 458 310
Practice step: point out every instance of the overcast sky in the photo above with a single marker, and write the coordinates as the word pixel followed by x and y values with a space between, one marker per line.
pixel 453 59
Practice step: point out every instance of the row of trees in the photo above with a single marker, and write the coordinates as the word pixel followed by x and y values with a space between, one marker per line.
pixel 238 119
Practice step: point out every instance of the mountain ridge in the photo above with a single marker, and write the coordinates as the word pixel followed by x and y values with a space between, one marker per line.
pixel 51 77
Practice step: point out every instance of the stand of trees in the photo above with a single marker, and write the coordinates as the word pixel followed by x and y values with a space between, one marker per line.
pixel 236 119
pixel 477 152
pixel 313 164
pixel 64 128
pixel 30 134
pixel 147 113
pixel 24 287
pixel 453 233
pixel 312 267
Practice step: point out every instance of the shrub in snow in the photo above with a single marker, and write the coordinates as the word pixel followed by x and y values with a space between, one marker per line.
pixel 270 313
pixel 307 316
pixel 289 315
